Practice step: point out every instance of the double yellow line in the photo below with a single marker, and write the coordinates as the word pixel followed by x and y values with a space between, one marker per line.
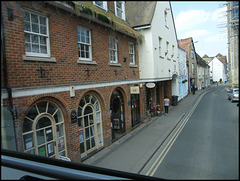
pixel 160 158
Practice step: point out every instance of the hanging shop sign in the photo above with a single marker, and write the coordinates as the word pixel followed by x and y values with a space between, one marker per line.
pixel 134 90
pixel 150 85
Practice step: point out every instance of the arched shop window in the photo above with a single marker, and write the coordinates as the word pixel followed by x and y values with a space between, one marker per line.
pixel 90 124
pixel 44 130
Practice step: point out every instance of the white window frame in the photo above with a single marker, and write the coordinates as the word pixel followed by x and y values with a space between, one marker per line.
pixel 31 33
pixel 85 44
pixel 160 46
pixel 104 5
pixel 166 18
pixel 172 51
pixel 123 16
pixel 131 54
pixel 167 48
pixel 113 41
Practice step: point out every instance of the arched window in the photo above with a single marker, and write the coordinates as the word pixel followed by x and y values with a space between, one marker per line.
pixel 44 131
pixel 90 124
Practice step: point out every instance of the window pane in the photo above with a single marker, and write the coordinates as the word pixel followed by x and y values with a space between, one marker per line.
pixel 27 38
pixel 93 99
pixel 34 18
pixel 98 117
pixel 119 4
pixel 42 20
pixel 88 144
pixel 43 30
pixel 27 26
pixel 80 122
pixel 51 108
pixel 26 16
pixel 50 148
pixel 42 151
pixel 88 110
pixel 91 119
pixel 27 125
pixel 28 47
pixel 86 121
pixel 28 141
pixel 35 38
pixel 32 113
pixel 92 130
pixel 40 137
pixel 60 143
pixel 93 142
pixel 43 122
pixel 82 150
pixel 59 130
pixel 35 28
pixel 49 134
pixel 42 106
pixel 43 49
pixel 35 48
pixel 87 132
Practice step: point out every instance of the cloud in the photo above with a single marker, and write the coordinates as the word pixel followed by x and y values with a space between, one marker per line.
pixel 196 34
pixel 190 19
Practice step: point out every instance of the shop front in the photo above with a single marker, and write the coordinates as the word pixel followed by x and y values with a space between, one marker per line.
pixel 117 114
pixel 135 105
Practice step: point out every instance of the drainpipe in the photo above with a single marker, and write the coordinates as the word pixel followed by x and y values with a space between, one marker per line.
pixel 5 76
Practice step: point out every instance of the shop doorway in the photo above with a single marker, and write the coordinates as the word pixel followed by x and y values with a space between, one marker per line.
pixel 135 109
pixel 117 114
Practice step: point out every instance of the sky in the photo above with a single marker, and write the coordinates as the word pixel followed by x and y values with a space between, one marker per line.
pixel 205 22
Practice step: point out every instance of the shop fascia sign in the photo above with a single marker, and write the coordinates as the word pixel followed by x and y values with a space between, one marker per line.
pixel 150 85
pixel 134 90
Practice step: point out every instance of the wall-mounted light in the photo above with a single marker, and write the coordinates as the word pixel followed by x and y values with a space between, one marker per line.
pixel 124 59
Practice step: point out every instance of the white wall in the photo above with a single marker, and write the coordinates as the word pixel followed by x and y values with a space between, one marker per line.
pixel 217 68
pixel 151 64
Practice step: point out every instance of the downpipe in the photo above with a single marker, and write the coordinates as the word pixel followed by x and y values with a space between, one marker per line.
pixel 6 85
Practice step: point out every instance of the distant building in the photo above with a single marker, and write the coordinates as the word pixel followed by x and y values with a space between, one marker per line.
pixel 203 73
pixel 188 45
pixel 217 67
pixel 183 73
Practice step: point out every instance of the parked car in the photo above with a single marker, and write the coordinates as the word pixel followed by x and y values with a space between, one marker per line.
pixel 233 94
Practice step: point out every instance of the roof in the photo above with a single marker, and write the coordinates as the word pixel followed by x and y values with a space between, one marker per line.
pixel 140 13
pixel 88 10
pixel 220 57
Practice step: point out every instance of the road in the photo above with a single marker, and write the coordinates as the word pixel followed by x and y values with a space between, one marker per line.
pixel 205 146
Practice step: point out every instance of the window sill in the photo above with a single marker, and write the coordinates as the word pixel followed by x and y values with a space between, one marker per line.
pixel 115 64
pixel 133 66
pixel 87 62
pixel 39 59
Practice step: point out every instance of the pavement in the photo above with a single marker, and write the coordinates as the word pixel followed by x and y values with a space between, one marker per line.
pixel 133 150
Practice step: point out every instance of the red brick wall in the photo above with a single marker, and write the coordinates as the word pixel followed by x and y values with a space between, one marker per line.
pixel 63 47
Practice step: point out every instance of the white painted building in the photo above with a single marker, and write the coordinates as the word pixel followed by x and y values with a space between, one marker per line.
pixel 217 70
pixel 183 73
pixel 158 51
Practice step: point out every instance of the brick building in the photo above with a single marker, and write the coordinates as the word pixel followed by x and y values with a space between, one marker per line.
pixel 70 77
